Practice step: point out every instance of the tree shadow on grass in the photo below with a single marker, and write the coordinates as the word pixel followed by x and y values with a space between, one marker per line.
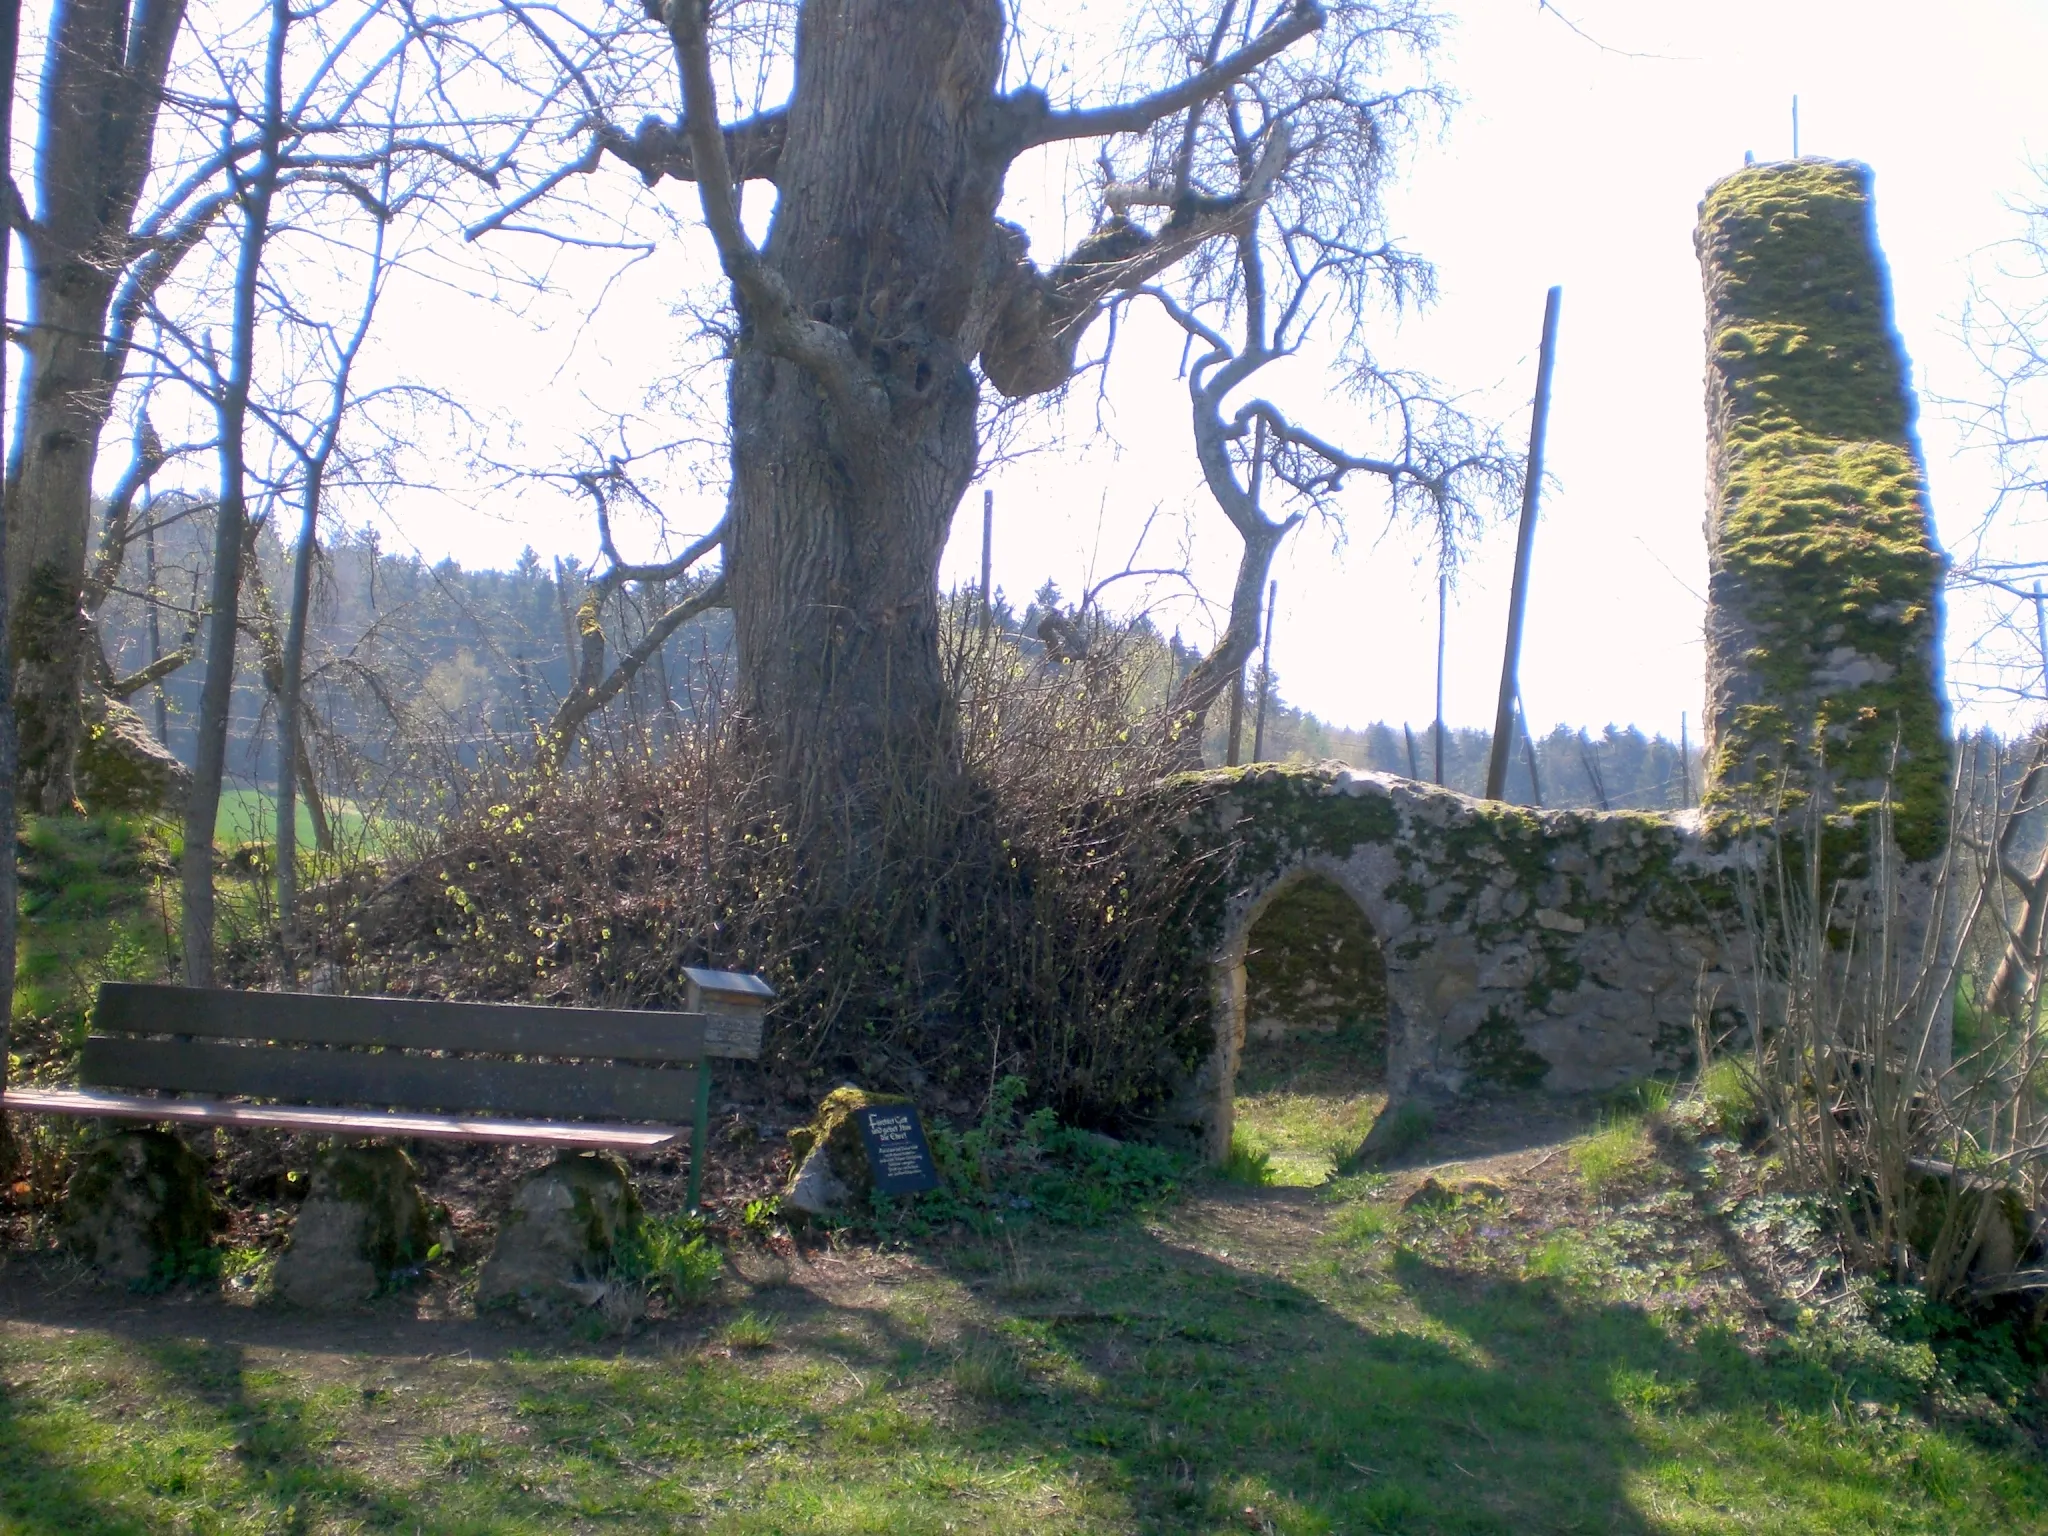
pixel 210 1444
pixel 40 1493
pixel 280 1462
pixel 1165 1389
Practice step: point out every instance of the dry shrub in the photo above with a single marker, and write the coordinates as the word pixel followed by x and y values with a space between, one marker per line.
pixel 1918 1116
pixel 1035 920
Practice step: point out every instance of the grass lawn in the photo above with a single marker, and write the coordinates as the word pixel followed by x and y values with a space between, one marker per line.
pixel 1306 1103
pixel 250 815
pixel 1568 1342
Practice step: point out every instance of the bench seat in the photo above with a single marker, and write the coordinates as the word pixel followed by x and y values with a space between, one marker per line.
pixel 628 1079
pixel 96 1104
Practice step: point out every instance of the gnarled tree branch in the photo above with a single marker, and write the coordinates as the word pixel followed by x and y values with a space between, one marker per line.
pixel 1043 126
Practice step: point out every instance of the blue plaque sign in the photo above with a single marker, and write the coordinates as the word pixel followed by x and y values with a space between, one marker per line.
pixel 898 1155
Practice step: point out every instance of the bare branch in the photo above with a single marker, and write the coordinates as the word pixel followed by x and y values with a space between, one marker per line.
pixel 1137 116
pixel 591 695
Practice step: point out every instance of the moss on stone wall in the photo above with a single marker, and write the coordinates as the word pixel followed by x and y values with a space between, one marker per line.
pixel 1823 660
pixel 1313 964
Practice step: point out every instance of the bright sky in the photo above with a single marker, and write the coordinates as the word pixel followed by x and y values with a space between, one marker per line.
pixel 1577 157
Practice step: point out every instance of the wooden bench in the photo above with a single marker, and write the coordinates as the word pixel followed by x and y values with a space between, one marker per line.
pixel 390 1066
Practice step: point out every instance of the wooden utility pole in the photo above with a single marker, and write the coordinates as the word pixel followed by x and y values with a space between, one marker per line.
pixel 1684 763
pixel 1529 746
pixel 988 532
pixel 1265 676
pixel 1414 772
pixel 1443 610
pixel 1518 598
pixel 1235 754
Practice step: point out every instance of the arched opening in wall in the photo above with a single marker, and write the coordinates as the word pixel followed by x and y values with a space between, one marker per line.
pixel 1312 1071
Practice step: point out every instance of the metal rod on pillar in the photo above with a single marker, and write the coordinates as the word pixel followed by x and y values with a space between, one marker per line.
pixel 1518 599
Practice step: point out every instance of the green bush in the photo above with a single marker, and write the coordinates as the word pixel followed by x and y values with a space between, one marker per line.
pixel 1017 1167
pixel 1729 1089
pixel 672 1254
pixel 1246 1163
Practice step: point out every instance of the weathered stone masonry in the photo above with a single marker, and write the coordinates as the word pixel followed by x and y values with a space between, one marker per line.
pixel 1523 948
pixel 1573 950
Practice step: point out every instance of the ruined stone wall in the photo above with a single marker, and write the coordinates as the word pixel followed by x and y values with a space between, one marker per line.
pixel 1567 950
pixel 1573 950
pixel 1824 585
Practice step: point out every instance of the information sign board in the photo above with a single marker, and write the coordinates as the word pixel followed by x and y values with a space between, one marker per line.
pixel 898 1155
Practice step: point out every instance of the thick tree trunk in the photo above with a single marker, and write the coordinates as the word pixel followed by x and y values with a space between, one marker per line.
pixel 102 80
pixel 49 505
pixel 888 193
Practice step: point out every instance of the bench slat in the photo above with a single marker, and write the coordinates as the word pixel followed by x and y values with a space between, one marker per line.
pixel 582 1089
pixel 345 1122
pixel 513 1029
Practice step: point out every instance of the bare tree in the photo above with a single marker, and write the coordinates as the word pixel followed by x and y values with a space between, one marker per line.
pixel 1312 263
pixel 886 291
pixel 2006 327
pixel 593 685
pixel 253 193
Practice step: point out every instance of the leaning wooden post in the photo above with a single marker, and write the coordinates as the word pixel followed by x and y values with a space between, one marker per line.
pixel 1443 619
pixel 988 529
pixel 1265 676
pixel 1504 712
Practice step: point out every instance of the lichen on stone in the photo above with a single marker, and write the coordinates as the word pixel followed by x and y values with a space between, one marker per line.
pixel 137 1207
pixel 1825 581
pixel 830 1162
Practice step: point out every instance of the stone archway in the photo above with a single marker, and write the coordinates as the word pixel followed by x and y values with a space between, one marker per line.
pixel 1307 1016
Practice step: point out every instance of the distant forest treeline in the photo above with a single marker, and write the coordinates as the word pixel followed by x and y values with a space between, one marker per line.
pixel 416 667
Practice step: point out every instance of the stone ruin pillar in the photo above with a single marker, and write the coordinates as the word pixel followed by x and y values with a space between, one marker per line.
pixel 1824 597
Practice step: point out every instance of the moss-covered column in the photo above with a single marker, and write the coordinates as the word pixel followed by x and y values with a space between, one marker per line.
pixel 1824 611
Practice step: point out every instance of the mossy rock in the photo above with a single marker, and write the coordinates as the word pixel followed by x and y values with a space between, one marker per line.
pixel 121 764
pixel 1934 1190
pixel 831 1162
pixel 362 1226
pixel 138 1208
pixel 558 1245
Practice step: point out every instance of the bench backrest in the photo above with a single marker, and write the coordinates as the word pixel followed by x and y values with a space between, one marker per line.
pixel 402 1053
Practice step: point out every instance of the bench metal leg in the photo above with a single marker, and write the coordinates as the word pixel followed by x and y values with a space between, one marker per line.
pixel 700 1136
